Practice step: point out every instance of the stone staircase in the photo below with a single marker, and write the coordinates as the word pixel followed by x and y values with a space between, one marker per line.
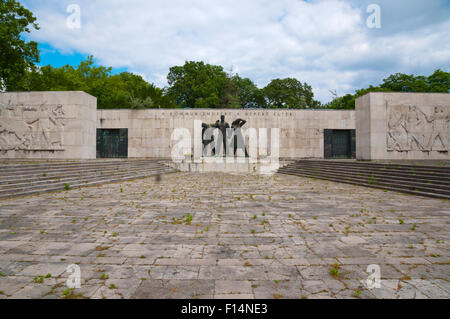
pixel 430 181
pixel 27 178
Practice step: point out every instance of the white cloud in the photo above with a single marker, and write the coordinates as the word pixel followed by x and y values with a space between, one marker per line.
pixel 324 42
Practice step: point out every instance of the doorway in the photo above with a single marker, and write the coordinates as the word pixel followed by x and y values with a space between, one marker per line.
pixel 340 144
pixel 112 143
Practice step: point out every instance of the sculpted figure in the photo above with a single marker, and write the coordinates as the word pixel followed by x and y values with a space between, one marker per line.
pixel 238 123
pixel 239 141
pixel 206 142
pixel 396 119
pixel 47 121
pixel 412 123
pixel 42 121
pixel 15 134
pixel 440 128
pixel 222 126
pixel 56 136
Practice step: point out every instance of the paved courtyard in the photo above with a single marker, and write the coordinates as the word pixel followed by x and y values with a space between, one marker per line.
pixel 225 236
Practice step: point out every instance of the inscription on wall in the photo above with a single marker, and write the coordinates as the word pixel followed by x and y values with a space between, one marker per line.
pixel 31 128
pixel 422 128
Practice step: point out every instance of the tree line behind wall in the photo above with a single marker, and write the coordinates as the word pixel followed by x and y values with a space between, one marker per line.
pixel 200 85
pixel 193 85
pixel 438 82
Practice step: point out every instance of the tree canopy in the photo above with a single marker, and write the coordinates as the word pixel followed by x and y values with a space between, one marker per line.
pixel 197 85
pixel 289 93
pixel 201 85
pixel 124 90
pixel 250 96
pixel 438 82
pixel 16 54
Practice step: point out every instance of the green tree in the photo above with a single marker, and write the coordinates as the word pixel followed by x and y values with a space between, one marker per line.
pixel 133 92
pixel 230 97
pixel 289 93
pixel 95 80
pixel 439 81
pixel 124 90
pixel 405 83
pixel 137 103
pixel 16 55
pixel 197 85
pixel 345 102
pixel 250 95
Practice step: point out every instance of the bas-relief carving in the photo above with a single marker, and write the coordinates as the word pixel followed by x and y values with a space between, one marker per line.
pixel 31 128
pixel 410 127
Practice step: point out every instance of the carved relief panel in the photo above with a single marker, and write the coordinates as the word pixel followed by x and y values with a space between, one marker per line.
pixel 31 128
pixel 424 128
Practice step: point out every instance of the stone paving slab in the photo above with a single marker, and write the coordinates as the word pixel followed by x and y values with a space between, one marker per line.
pixel 225 236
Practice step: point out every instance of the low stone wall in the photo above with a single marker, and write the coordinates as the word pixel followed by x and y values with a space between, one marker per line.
pixel 301 131
pixel 403 126
pixel 48 125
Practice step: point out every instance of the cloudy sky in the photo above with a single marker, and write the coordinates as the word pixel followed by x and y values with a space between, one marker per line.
pixel 326 43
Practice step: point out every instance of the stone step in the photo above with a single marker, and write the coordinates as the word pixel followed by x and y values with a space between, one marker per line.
pixel 37 179
pixel 386 185
pixel 389 188
pixel 384 181
pixel 428 170
pixel 31 180
pixel 79 184
pixel 49 174
pixel 7 169
pixel 380 175
pixel 438 179
pixel 82 181
pixel 12 164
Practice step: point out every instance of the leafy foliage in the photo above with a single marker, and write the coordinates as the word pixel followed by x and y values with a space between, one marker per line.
pixel 16 55
pixel 200 85
pixel 289 93
pixel 197 85
pixel 438 82
pixel 124 90
pixel 250 95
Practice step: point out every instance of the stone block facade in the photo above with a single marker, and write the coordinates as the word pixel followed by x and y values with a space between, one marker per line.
pixel 63 125
pixel 301 131
pixel 48 125
pixel 403 126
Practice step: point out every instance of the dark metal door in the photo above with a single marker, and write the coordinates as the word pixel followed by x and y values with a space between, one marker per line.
pixel 112 143
pixel 339 144
pixel 328 137
pixel 353 143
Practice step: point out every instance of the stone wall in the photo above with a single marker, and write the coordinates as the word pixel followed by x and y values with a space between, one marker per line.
pixel 62 125
pixel 48 125
pixel 301 131
pixel 403 126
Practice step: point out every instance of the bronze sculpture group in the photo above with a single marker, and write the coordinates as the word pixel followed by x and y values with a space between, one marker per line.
pixel 236 132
